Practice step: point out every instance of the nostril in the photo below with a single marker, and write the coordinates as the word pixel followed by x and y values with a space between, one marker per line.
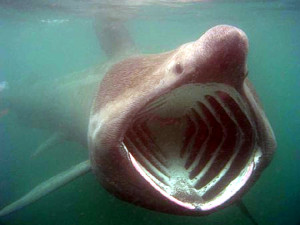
pixel 178 68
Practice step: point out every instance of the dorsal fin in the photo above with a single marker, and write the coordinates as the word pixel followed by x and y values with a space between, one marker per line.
pixel 47 187
pixel 114 37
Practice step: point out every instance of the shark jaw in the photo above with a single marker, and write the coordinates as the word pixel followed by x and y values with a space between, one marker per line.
pixel 181 132
pixel 196 145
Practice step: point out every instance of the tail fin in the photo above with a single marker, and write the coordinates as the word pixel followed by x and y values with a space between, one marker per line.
pixel 47 187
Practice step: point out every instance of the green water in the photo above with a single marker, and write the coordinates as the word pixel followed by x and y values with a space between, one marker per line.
pixel 31 49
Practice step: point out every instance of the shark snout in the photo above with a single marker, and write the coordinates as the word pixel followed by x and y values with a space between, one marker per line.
pixel 219 55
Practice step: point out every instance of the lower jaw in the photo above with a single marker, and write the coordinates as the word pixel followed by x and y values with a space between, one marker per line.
pixel 196 146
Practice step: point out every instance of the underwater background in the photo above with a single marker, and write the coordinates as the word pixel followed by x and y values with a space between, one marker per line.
pixel 39 40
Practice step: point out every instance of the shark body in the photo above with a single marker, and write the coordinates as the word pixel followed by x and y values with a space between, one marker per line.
pixel 159 126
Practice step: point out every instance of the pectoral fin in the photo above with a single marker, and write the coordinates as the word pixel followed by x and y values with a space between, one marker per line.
pixel 52 141
pixel 48 186
pixel 246 212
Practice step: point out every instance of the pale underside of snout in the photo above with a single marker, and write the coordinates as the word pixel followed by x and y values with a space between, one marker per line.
pixel 196 146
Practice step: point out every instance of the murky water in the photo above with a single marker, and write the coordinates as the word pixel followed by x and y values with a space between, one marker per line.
pixel 44 41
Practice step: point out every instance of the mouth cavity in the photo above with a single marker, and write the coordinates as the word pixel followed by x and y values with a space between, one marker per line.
pixel 195 145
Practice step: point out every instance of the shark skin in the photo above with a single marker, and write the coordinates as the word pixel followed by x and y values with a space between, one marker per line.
pixel 58 105
pixel 153 117
pixel 183 127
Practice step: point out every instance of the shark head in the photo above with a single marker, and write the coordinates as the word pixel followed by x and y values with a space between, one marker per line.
pixel 181 132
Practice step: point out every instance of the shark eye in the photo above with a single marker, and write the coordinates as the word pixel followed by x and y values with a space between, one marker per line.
pixel 178 68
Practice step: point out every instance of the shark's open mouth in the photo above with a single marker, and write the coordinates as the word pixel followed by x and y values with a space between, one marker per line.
pixel 195 145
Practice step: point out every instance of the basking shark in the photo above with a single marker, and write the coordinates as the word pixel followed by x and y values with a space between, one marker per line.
pixel 180 132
